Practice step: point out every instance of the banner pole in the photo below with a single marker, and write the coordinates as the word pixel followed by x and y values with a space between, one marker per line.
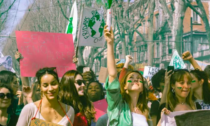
pixel 78 34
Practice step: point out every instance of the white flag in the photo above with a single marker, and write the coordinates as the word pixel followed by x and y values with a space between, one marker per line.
pixel 92 28
pixel 177 61
pixel 72 25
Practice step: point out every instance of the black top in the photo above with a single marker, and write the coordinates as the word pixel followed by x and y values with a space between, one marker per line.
pixel 12 120
pixel 154 108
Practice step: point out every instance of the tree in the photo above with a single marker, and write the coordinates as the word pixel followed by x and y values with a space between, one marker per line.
pixel 175 16
pixel 5 6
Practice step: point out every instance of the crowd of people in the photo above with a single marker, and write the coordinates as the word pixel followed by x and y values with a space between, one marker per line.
pixel 132 100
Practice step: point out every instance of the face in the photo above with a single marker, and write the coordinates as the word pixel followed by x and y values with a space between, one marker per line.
pixel 182 88
pixel 6 101
pixel 87 77
pixel 195 82
pixel 49 87
pixel 94 92
pixel 134 82
pixel 80 86
pixel 14 84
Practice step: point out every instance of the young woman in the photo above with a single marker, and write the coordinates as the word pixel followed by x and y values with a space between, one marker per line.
pixel 49 108
pixel 179 94
pixel 95 91
pixel 6 98
pixel 200 88
pixel 127 104
pixel 73 93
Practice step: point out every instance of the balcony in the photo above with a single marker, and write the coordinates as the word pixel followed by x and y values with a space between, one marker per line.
pixel 201 55
pixel 166 57
pixel 156 60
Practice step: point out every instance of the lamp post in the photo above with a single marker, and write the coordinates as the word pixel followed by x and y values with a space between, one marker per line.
pixel 191 29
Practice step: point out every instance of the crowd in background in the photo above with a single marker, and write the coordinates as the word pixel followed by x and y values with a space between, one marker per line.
pixel 132 100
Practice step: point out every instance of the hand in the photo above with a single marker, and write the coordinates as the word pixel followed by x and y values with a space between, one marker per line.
pixel 148 81
pixel 165 111
pixel 27 92
pixel 109 36
pixel 187 56
pixel 75 60
pixel 18 56
pixel 19 94
pixel 128 59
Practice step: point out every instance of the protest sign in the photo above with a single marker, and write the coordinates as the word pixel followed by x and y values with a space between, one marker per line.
pixel 199 118
pixel 169 120
pixel 39 122
pixel 150 71
pixel 92 26
pixel 201 64
pixel 103 75
pixel 177 61
pixel 41 49
pixel 100 108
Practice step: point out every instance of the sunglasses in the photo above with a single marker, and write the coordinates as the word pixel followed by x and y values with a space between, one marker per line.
pixel 2 95
pixel 80 82
pixel 47 69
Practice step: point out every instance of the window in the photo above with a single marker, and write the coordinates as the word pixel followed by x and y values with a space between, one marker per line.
pixel 170 45
pixel 195 17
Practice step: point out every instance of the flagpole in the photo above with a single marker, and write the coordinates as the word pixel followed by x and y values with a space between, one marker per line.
pixel 78 34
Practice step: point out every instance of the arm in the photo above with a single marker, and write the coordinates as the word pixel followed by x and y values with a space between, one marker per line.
pixel 112 71
pixel 167 83
pixel 26 115
pixel 187 56
pixel 27 92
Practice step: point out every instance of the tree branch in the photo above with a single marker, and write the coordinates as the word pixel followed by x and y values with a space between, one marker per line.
pixel 7 8
pixel 166 10
pixel 193 8
pixel 62 10
pixel 143 38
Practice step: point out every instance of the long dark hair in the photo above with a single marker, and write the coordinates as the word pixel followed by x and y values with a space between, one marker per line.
pixel 46 70
pixel 70 96
pixel 6 76
pixel 206 92
pixel 11 108
pixel 142 100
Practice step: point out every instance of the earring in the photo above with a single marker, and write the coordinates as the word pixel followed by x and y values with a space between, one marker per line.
pixel 173 90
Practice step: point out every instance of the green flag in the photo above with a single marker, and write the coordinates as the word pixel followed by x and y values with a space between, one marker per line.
pixel 72 25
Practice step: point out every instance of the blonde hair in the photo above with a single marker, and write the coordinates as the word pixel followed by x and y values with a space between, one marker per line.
pixel 171 100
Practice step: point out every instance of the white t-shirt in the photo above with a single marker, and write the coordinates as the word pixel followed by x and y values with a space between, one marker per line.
pixel 29 111
pixel 139 120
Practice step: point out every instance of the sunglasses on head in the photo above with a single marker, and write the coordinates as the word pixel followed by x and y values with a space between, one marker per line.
pixel 80 82
pixel 2 95
pixel 48 69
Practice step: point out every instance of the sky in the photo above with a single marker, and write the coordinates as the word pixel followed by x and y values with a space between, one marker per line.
pixel 15 15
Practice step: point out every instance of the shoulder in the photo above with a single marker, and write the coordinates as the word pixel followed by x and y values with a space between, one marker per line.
pixel 29 107
pixel 69 109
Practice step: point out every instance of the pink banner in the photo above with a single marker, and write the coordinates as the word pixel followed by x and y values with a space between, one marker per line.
pixel 42 49
pixel 100 108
